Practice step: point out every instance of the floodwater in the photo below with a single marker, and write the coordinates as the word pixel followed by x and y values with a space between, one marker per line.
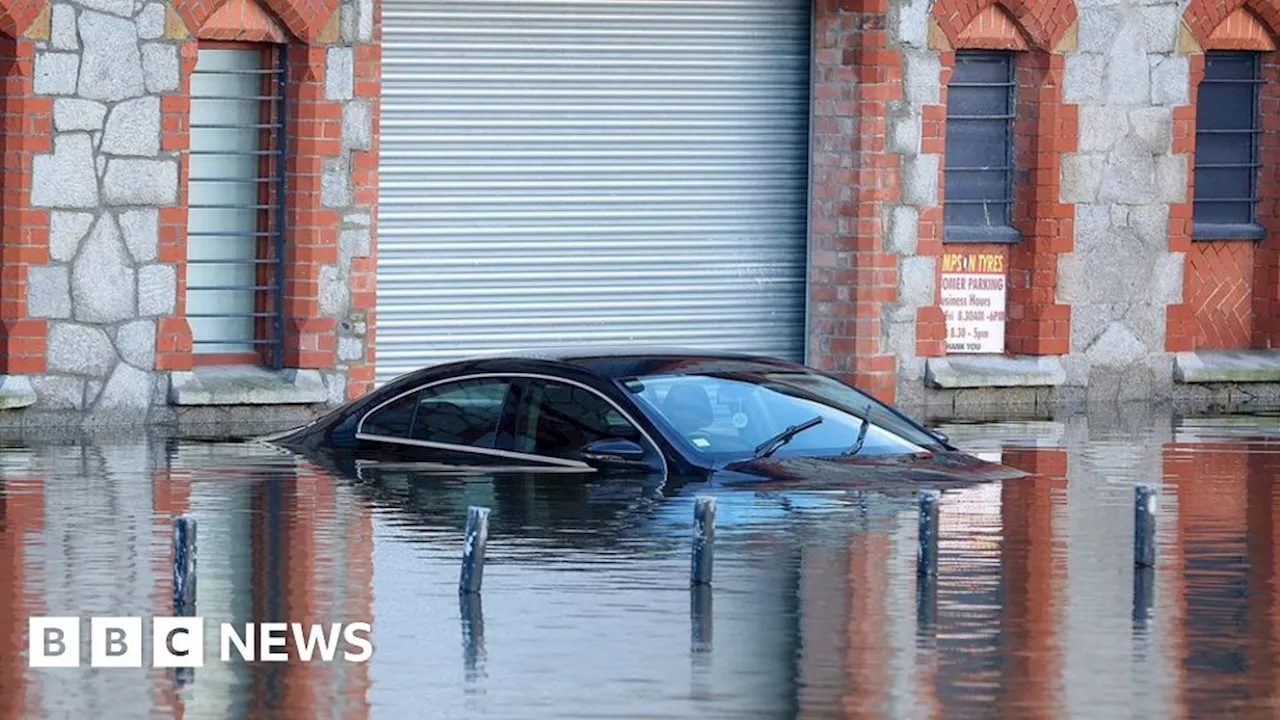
pixel 586 609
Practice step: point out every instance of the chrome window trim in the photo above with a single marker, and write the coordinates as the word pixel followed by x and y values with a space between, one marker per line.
pixel 467 448
pixel 361 435
pixel 470 469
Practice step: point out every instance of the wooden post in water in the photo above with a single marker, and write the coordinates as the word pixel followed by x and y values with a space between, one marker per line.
pixel 473 550
pixel 184 566
pixel 704 539
pixel 1144 526
pixel 927 536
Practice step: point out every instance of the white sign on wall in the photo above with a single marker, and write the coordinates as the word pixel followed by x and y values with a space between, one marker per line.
pixel 974 286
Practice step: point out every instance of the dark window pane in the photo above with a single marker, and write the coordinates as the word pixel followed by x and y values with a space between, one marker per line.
pixel 977 144
pixel 987 185
pixel 1232 148
pixel 1221 213
pixel 1225 106
pixel 1227 100
pixel 1223 184
pixel 987 100
pixel 977 215
pixel 558 420
pixel 394 420
pixel 981 67
pixel 978 177
pixel 1230 66
pixel 462 413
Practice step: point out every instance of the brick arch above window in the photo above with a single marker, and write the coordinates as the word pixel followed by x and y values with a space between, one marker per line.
pixel 243 21
pixel 1040 24
pixel 307 20
pixel 1234 24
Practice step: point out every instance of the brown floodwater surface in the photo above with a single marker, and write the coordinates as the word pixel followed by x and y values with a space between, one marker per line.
pixel 586 611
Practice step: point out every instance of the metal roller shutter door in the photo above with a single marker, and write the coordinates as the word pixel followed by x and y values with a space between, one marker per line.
pixel 592 171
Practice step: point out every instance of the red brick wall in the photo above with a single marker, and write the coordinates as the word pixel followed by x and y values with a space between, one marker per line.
pixel 311 239
pixel 173 335
pixel 1231 288
pixel 1265 278
pixel 853 277
pixel 991 29
pixel 1219 290
pixel 314 135
pixel 1045 129
pixel 1180 321
pixel 24 231
pixel 856 75
pixel 1041 22
pixel 364 193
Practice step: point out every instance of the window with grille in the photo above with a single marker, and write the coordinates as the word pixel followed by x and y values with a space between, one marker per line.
pixel 235 232
pixel 1227 135
pixel 978 171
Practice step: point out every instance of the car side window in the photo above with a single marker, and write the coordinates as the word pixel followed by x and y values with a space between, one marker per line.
pixel 394 420
pixel 467 412
pixel 558 419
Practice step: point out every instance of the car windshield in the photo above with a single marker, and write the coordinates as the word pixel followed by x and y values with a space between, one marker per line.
pixel 726 417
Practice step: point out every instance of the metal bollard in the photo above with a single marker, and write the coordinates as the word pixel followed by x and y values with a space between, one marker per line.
pixel 700 618
pixel 471 610
pixel 927 536
pixel 184 566
pixel 704 538
pixel 473 550
pixel 1144 526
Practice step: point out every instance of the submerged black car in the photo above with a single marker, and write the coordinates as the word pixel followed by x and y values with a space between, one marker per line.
pixel 684 414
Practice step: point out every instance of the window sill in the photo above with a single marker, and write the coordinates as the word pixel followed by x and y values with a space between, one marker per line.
pixel 16 392
pixel 994 371
pixel 246 385
pixel 1227 366
pixel 1208 232
pixel 995 234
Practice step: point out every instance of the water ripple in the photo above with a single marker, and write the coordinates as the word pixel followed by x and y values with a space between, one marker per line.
pixel 817 608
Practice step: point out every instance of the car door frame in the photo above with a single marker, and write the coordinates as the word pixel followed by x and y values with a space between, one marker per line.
pixel 647 443
pixel 506 423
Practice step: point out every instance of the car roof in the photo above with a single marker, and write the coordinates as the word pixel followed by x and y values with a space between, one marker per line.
pixel 621 361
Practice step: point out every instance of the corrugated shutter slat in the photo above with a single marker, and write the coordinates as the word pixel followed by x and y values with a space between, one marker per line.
pixel 592 171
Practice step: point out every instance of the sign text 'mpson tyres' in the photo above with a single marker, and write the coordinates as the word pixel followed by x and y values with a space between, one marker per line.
pixel 178 642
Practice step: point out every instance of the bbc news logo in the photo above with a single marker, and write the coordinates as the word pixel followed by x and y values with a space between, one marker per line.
pixel 179 642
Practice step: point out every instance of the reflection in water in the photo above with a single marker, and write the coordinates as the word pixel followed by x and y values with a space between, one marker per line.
pixel 471 610
pixel 818 610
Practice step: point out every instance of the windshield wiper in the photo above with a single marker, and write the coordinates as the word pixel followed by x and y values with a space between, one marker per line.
pixel 856 447
pixel 770 446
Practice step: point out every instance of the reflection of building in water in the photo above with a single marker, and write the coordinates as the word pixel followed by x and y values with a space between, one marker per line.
pixel 1223 556
pixel 814 614
pixel 21 518
pixel 279 543
pixel 92 556
pixel 869 652
pixel 88 531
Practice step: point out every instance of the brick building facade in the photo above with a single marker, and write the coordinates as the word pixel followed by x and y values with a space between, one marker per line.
pixel 100 226
pixel 1118 288
pixel 1123 281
